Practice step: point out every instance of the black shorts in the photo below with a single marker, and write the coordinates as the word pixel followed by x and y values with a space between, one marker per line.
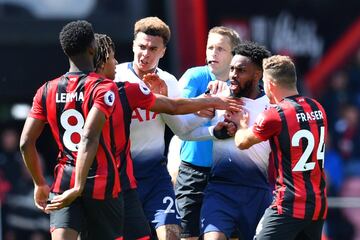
pixel 273 226
pixel 136 225
pixel 71 216
pixel 104 218
pixel 189 191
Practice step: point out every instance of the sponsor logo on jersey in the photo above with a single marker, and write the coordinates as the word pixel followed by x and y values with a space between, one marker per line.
pixel 109 98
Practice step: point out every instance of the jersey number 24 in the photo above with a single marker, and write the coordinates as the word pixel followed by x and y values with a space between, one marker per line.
pixel 302 165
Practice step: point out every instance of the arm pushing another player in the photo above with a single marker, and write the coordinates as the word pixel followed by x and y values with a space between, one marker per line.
pixel 176 106
pixel 296 127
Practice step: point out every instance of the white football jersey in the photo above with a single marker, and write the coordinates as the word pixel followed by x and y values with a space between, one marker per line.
pixel 247 167
pixel 226 150
pixel 147 128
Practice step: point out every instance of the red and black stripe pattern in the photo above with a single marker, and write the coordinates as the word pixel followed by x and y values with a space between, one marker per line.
pixel 65 103
pixel 298 153
pixel 125 164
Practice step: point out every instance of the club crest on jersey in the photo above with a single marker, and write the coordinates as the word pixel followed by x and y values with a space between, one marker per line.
pixel 109 98
pixel 143 88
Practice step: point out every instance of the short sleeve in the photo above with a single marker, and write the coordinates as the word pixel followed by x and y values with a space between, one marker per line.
pixel 139 95
pixel 37 110
pixel 104 97
pixel 267 124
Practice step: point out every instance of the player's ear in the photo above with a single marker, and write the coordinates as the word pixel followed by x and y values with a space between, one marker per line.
pixel 258 74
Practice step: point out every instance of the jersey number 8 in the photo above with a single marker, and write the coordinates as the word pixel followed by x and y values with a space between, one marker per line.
pixel 71 129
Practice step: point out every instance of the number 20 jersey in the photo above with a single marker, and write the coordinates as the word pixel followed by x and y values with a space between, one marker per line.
pixel 297 129
pixel 64 103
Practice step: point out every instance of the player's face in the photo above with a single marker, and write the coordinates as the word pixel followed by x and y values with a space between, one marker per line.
pixel 147 50
pixel 266 80
pixel 218 54
pixel 244 76
pixel 110 66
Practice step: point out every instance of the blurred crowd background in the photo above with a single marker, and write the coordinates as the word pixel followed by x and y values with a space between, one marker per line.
pixel 322 36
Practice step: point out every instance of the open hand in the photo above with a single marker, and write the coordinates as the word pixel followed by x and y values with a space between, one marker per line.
pixel 155 83
pixel 63 200
pixel 218 86
pixel 229 103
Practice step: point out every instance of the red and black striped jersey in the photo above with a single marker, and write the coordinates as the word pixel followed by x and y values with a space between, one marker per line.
pixel 297 128
pixel 64 104
pixel 132 96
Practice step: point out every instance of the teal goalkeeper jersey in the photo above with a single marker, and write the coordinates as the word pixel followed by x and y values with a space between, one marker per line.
pixel 194 82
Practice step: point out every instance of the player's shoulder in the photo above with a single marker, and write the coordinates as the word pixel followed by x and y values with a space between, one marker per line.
pixel 51 83
pixel 263 100
pixel 122 71
pixel 198 71
pixel 96 78
pixel 196 76
pixel 164 75
pixel 123 65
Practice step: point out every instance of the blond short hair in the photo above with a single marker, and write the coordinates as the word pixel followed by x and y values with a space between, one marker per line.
pixel 230 33
pixel 282 70
pixel 153 26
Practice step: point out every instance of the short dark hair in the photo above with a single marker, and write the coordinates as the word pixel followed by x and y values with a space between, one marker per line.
pixel 252 50
pixel 103 46
pixel 76 36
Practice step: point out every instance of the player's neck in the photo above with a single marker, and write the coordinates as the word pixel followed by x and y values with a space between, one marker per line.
pixel 283 93
pixel 80 64
pixel 140 74
pixel 222 77
pixel 254 93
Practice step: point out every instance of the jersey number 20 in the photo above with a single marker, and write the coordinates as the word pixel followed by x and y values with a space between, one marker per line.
pixel 302 165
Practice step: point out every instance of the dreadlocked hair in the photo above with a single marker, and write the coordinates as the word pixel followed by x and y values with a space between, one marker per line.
pixel 103 46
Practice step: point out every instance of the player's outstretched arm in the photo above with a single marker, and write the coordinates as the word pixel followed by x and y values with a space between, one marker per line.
pixel 31 132
pixel 190 105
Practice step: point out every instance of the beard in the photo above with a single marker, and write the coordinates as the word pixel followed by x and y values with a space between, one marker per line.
pixel 244 91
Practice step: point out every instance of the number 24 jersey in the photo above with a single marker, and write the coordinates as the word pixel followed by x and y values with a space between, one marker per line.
pixel 297 129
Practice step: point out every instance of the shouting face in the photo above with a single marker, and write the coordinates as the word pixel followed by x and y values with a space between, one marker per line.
pixel 244 76
pixel 147 50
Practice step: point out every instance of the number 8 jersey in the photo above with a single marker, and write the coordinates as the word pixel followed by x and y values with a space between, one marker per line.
pixel 297 129
pixel 64 103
